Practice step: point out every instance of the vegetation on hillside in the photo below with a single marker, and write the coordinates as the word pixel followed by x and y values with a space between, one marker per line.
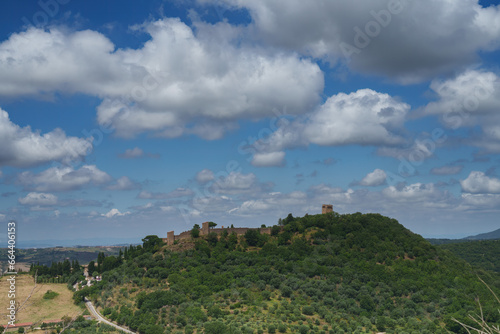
pixel 483 253
pixel 357 273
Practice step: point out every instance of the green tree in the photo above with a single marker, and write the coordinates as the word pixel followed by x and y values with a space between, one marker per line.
pixel 195 231
pixel 216 327
pixel 288 219
pixel 252 237
pixel 212 238
pixel 91 267
pixel 275 230
pixel 151 243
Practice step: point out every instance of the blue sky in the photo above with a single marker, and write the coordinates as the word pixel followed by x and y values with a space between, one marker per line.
pixel 122 119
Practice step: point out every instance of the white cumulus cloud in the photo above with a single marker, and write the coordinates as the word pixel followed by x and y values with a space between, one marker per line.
pixel 364 117
pixel 63 178
pixel 114 213
pixel 268 159
pixel 373 179
pixel 180 81
pixel 205 176
pixel 479 183
pixel 417 192
pixel 41 199
pixel 23 147
pixel 470 99
pixel 394 38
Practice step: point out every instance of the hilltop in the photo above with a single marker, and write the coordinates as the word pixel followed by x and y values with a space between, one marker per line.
pixel 355 273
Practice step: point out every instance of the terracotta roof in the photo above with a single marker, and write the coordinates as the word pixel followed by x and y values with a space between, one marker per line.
pixel 21 324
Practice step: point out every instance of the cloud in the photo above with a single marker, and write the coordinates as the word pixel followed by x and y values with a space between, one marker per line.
pixel 114 213
pixel 364 117
pixel 447 170
pixel 237 183
pixel 269 159
pixel 63 178
pixel 124 183
pixel 478 183
pixel 417 192
pixel 470 99
pixel 270 202
pixel 376 178
pixel 179 82
pixel 481 201
pixel 132 153
pixel 470 93
pixel 40 199
pixel 21 147
pixel 177 193
pixel 396 39
pixel 204 176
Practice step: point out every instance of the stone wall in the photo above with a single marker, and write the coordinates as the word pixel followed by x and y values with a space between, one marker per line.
pixel 187 234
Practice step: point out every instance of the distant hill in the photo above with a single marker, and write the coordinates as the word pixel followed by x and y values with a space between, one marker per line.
pixel 437 242
pixel 77 242
pixel 46 256
pixel 486 236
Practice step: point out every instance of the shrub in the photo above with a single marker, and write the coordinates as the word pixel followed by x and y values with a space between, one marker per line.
pixel 50 294
pixel 215 327
pixel 308 310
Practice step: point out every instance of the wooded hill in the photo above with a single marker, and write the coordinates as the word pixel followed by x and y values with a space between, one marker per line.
pixel 331 273
pixel 482 253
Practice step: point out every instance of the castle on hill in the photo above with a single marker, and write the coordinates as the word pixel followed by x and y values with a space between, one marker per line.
pixel 205 229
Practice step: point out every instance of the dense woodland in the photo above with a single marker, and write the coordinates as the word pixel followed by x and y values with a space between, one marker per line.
pixel 482 253
pixel 357 273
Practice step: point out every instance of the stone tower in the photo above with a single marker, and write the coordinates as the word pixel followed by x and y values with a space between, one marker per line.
pixel 205 228
pixel 170 238
pixel 326 208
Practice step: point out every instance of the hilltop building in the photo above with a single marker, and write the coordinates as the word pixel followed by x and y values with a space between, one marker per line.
pixel 205 230
pixel 326 208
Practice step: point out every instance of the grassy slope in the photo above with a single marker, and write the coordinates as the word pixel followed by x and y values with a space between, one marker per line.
pixel 38 309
